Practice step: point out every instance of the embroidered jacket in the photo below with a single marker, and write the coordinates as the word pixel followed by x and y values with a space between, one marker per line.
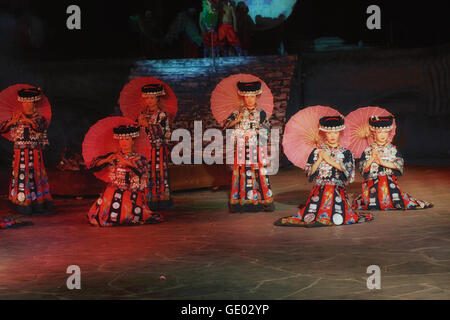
pixel 158 130
pixel 327 174
pixel 388 152
pixel 255 120
pixel 24 135
pixel 125 177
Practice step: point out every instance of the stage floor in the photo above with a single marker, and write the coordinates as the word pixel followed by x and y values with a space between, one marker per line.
pixel 204 252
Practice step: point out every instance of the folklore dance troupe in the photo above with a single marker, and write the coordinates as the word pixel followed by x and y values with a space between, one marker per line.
pixel 138 188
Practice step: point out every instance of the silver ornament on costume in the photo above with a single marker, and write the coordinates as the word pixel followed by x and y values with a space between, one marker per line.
pixel 338 219
pixel 309 218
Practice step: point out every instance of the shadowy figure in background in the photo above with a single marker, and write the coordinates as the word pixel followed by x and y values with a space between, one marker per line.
pixel 208 23
pixel 227 37
pixel 71 160
pixel 245 26
pixel 186 23
pixel 280 31
pixel 151 35
pixel 274 33
pixel 29 33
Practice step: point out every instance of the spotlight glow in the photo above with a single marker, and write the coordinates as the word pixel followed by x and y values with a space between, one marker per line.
pixel 272 9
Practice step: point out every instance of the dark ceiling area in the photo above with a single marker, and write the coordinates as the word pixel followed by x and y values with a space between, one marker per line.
pixel 107 31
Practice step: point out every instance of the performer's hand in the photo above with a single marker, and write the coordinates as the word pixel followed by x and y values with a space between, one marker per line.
pixel 124 162
pixel 320 155
pixel 235 121
pixel 131 163
pixel 111 158
pixel 29 121
pixel 327 158
pixel 376 157
pixel 142 121
pixel 15 118
pixel 25 119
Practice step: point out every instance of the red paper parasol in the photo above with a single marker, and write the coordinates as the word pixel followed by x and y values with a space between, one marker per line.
pixel 301 134
pixel 358 131
pixel 99 140
pixel 131 101
pixel 9 105
pixel 225 98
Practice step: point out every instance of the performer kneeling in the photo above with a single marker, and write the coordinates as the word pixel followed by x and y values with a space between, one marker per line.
pixel 29 190
pixel 330 167
pixel 380 165
pixel 123 201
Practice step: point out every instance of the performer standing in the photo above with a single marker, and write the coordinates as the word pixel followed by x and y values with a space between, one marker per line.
pixel 250 187
pixel 123 202
pixel 208 24
pixel 29 189
pixel 226 33
pixel 380 165
pixel 245 26
pixel 156 124
pixel 330 167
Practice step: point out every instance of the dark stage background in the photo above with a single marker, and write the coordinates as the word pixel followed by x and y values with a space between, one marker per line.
pixel 403 67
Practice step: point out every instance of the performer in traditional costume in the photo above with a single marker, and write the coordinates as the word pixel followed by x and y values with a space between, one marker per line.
pixel 330 167
pixel 29 189
pixel 380 165
pixel 208 24
pixel 156 124
pixel 8 223
pixel 123 202
pixel 250 186
pixel 226 34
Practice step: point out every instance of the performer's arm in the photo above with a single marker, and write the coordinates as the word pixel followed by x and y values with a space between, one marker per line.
pixel 388 164
pixel 39 124
pixel 312 165
pixel 396 165
pixel 232 120
pixel 165 125
pixel 5 126
pixel 369 162
pixel 142 121
pixel 362 165
pixel 264 126
pixel 233 15
pixel 101 162
pixel 347 167
pixel 327 158
pixel 140 167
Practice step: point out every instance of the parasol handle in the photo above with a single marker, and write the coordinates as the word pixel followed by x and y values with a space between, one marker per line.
pixel 363 132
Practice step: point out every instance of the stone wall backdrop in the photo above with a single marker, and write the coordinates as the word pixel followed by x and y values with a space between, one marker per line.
pixel 193 81
pixel 83 92
pixel 413 84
